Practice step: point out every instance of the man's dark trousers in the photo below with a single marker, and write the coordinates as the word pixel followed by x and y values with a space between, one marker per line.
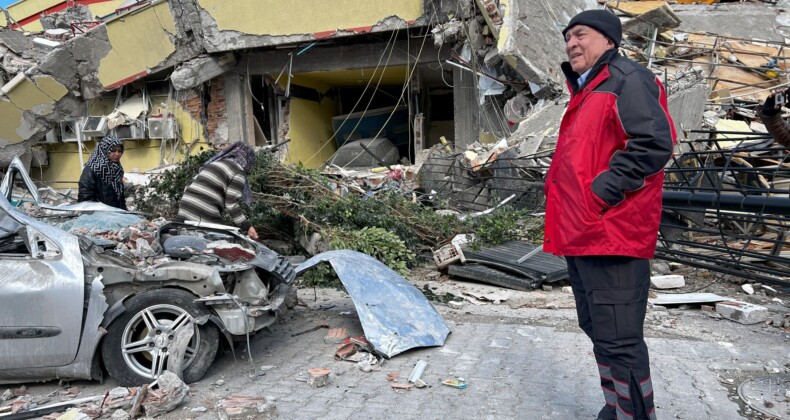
pixel 611 301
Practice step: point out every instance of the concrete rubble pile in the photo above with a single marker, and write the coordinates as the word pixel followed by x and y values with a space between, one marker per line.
pixel 714 83
pixel 130 235
pixel 162 396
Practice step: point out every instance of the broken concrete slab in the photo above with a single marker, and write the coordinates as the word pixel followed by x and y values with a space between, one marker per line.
pixel 744 20
pixel 742 312
pixel 686 298
pixel 661 18
pixel 531 40
pixel 199 70
pixel 169 392
pixel 672 281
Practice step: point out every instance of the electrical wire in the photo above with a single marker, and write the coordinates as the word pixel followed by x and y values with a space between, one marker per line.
pixel 246 327
pixel 406 84
pixel 391 47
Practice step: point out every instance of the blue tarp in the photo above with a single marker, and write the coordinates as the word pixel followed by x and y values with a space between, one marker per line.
pixel 394 314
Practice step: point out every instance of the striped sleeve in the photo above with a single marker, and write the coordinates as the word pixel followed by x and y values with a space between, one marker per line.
pixel 233 199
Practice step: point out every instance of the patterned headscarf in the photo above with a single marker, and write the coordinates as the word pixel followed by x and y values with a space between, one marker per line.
pixel 243 155
pixel 109 171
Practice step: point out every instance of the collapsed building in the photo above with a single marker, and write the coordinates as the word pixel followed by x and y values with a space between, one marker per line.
pixel 468 93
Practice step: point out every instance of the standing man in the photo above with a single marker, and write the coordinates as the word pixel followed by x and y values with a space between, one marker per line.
pixel 603 202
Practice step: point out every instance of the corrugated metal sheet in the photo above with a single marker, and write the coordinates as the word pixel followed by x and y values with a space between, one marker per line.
pixel 488 275
pixel 542 266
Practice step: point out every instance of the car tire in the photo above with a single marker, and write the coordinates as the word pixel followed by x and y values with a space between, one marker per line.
pixel 133 365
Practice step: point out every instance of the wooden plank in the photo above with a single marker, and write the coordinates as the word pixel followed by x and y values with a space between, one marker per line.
pixel 741 51
pixel 636 8
pixel 740 82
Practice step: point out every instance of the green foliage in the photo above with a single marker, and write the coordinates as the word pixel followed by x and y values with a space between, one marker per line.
pixel 322 275
pixel 290 200
pixel 503 225
pixel 381 244
pixel 435 297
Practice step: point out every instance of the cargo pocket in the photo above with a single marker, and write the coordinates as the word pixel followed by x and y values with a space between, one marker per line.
pixel 619 313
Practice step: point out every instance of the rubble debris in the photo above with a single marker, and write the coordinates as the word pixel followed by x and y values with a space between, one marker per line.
pixel 455 304
pixel 503 269
pixel 243 407
pixel 451 252
pixel 336 336
pixel 685 298
pixel 671 281
pixel 416 374
pixel 318 377
pixel 120 415
pixel 164 394
pixel 7 395
pixel 178 347
pixel 742 312
pixel 29 411
pixel 748 288
pixel 118 392
pixel 402 387
pixel 459 383
pixel 74 414
pixel 369 363
pixel 392 376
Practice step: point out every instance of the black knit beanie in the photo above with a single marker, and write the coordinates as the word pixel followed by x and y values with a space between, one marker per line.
pixel 602 21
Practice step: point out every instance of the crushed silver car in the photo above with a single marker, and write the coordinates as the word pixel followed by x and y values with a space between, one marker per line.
pixel 73 299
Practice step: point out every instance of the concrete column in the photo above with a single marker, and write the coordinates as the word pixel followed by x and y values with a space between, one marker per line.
pixel 465 108
pixel 236 108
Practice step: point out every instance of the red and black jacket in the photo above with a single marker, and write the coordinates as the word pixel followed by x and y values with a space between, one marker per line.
pixel 603 189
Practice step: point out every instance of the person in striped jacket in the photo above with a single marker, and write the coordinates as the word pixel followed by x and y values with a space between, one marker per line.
pixel 221 185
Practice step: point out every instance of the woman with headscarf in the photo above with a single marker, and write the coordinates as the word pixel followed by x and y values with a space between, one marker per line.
pixel 221 184
pixel 102 177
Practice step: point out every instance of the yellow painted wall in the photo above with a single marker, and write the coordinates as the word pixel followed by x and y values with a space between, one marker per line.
pixel 140 41
pixel 23 9
pixel 10 121
pixel 140 155
pixel 37 95
pixel 311 128
pixel 271 17
pixel 64 165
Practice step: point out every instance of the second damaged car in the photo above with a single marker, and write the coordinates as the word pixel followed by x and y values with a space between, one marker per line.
pixel 81 289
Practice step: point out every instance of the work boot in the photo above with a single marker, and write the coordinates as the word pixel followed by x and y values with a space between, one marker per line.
pixel 607 413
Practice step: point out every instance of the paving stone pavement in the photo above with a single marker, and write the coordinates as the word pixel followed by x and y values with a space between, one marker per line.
pixel 512 371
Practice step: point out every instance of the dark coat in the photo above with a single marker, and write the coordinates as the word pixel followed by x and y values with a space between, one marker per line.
pixel 93 188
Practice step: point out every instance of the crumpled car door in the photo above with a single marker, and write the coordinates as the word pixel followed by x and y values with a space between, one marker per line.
pixel 42 292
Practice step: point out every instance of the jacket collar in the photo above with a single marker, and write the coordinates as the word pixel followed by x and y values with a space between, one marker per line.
pixel 573 77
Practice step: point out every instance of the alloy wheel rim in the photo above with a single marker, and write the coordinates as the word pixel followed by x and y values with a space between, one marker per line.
pixel 147 338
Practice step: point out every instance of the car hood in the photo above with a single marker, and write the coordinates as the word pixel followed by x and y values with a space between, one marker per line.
pixel 394 314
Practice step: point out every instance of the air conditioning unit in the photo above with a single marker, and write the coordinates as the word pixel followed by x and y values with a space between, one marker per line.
pixel 161 127
pixel 133 131
pixel 71 130
pixel 95 126
pixel 52 136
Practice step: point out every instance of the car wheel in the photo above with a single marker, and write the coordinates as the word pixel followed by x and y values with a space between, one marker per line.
pixel 135 350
